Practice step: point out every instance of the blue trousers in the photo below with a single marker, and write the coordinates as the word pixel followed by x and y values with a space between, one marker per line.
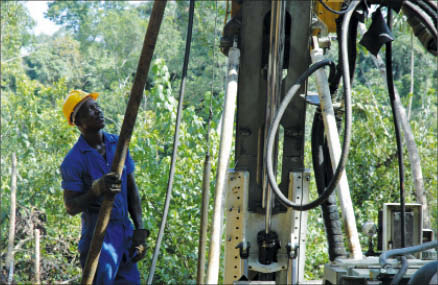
pixel 115 265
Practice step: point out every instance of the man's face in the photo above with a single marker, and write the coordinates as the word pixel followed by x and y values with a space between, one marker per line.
pixel 90 116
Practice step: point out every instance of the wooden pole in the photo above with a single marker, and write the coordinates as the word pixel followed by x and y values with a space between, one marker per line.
pixel 10 255
pixel 37 257
pixel 125 136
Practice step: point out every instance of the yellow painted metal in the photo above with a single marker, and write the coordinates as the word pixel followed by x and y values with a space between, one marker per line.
pixel 235 207
pixel 327 17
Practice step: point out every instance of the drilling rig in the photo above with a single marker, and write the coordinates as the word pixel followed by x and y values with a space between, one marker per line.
pixel 273 47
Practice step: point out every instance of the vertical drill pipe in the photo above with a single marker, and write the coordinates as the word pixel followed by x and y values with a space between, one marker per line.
pixel 204 220
pixel 206 177
pixel 125 136
pixel 175 144
pixel 275 67
pixel 334 144
pixel 391 91
pixel 224 155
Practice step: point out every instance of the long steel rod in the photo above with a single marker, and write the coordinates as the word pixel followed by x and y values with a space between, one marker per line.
pixel 175 143
pixel 224 155
pixel 125 136
pixel 204 220
pixel 273 93
pixel 334 145
pixel 206 177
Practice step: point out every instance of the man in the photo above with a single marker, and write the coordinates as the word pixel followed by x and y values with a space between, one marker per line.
pixel 86 179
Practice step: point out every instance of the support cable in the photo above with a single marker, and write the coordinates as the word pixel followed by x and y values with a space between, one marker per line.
pixel 347 128
pixel 391 91
pixel 175 143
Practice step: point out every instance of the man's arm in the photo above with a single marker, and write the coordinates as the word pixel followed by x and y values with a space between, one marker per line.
pixel 134 203
pixel 76 202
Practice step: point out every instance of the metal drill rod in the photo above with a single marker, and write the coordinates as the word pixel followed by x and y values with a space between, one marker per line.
pixel 124 138
pixel 334 146
pixel 222 167
pixel 275 65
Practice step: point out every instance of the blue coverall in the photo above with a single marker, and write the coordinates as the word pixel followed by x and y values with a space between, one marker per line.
pixel 82 165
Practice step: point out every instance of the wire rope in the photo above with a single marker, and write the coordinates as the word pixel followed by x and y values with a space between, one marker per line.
pixel 175 143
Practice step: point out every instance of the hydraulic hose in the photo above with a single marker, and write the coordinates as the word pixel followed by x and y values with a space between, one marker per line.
pixel 340 12
pixel 404 267
pixel 426 20
pixel 383 258
pixel 175 143
pixel 347 128
pixel 323 173
pixel 432 4
pixel 391 91
pixel 432 13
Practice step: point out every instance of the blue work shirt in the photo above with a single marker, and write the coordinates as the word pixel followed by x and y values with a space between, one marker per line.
pixel 84 164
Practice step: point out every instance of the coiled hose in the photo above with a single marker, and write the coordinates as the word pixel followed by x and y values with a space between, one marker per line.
pixel 347 128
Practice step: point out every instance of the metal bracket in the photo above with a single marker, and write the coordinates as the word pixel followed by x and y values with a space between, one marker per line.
pixel 235 207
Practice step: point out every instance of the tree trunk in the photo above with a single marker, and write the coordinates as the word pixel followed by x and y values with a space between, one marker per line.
pixel 37 257
pixel 10 254
pixel 411 146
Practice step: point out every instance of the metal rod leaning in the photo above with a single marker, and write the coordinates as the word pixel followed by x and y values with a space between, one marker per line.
pixel 125 136
pixel 224 154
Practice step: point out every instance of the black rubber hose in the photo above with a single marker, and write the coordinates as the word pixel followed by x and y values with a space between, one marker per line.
pixel 323 174
pixel 340 12
pixel 419 13
pixel 352 54
pixel 429 11
pixel 271 137
pixel 432 4
pixel 347 132
pixel 391 91
pixel 175 143
pixel 347 128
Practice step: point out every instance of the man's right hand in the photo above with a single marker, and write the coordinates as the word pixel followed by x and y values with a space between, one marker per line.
pixel 108 183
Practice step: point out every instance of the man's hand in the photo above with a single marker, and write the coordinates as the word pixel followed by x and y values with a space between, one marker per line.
pixel 109 182
pixel 138 247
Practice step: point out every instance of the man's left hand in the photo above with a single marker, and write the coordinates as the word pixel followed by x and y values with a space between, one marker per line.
pixel 138 247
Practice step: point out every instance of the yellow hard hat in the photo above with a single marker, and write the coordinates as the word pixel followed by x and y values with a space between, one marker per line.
pixel 73 99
